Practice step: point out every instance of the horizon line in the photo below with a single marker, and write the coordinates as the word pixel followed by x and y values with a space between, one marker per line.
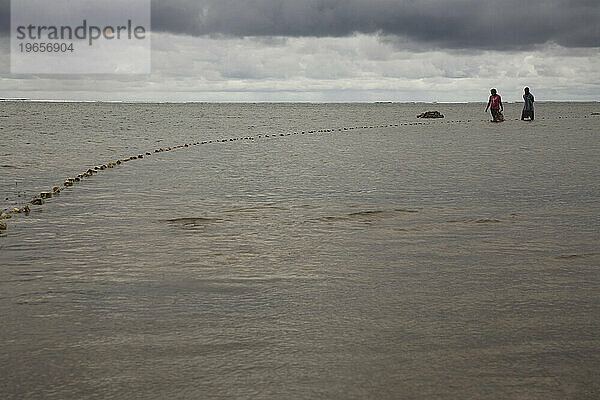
pixel 27 100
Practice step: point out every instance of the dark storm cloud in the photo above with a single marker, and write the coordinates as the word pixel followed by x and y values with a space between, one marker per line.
pixel 444 23
pixel 4 16
pixel 454 24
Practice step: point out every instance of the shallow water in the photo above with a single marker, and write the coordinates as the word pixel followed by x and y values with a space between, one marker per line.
pixel 451 259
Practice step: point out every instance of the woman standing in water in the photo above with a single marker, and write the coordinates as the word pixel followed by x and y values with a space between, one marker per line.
pixel 495 104
pixel 528 107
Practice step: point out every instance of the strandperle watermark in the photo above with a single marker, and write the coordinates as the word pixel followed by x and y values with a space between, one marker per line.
pixel 80 37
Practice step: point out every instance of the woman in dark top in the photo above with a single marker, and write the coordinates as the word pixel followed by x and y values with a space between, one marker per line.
pixel 528 107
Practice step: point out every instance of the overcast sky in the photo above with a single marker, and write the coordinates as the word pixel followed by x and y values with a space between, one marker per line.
pixel 347 50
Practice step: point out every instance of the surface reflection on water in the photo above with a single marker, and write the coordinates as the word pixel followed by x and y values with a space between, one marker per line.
pixel 449 260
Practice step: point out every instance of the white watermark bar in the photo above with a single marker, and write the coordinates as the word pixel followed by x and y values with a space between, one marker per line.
pixel 80 37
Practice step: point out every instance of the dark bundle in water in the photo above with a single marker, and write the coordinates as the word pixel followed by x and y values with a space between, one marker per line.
pixel 431 114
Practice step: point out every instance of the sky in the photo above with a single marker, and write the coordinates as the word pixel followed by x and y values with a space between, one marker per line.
pixel 346 51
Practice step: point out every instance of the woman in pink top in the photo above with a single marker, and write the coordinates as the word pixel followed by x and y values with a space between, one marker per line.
pixel 495 104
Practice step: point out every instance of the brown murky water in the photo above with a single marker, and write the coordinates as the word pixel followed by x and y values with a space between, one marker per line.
pixel 453 259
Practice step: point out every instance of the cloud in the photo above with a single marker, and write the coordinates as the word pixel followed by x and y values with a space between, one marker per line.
pixel 347 50
pixel 4 16
pixel 355 68
pixel 455 24
pixel 451 24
